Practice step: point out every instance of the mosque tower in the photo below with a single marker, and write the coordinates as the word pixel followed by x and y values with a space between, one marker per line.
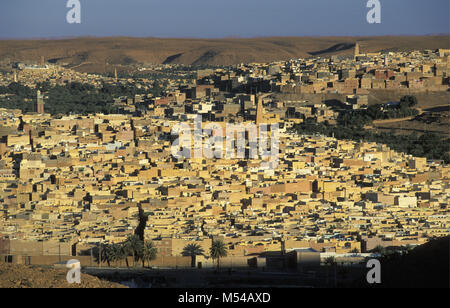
pixel 40 103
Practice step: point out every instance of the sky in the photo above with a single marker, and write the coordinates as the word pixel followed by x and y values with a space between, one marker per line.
pixel 221 18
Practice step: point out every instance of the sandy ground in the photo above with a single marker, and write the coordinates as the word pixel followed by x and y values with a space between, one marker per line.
pixel 22 276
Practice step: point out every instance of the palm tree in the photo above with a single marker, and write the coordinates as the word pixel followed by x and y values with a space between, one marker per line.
pixel 408 248
pixel 148 252
pixel 218 250
pixel 192 250
pixel 380 249
pixel 354 251
pixel 330 261
pixel 117 253
pixel 133 246
pixel 107 254
pixel 125 250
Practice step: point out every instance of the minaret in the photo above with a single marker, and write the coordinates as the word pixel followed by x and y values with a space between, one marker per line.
pixel 40 103
pixel 259 111
pixel 357 50
pixel 115 74
pixel 42 61
pixel 15 77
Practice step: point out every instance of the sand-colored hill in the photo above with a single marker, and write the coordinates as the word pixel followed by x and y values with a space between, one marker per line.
pixel 23 276
pixel 91 54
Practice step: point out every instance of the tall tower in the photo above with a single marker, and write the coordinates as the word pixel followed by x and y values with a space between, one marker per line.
pixel 15 77
pixel 259 111
pixel 39 103
pixel 357 50
pixel 115 74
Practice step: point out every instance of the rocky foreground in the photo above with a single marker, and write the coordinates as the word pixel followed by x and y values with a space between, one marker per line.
pixel 22 276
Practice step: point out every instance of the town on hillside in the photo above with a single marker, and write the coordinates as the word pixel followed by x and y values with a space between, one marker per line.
pixel 87 161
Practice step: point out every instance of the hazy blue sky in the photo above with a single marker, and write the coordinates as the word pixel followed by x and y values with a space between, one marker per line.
pixel 221 18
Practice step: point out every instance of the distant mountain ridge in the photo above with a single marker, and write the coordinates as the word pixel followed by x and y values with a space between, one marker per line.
pixel 100 54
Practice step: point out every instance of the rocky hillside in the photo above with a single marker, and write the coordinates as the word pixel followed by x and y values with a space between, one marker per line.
pixel 22 276
pixel 99 54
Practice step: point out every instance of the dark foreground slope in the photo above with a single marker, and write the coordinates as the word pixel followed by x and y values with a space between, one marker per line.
pixel 426 266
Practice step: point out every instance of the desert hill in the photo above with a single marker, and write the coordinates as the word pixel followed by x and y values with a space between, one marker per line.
pixel 99 54
pixel 28 276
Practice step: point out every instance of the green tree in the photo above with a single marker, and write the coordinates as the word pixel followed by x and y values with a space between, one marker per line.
pixel 408 248
pixel 107 254
pixel 354 250
pixel 218 250
pixel 125 251
pixel 409 101
pixel 192 250
pixel 379 249
pixel 133 246
pixel 330 261
pixel 118 253
pixel 149 253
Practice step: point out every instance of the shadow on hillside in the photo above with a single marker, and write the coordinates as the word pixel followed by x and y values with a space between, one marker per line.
pixel 335 48
pixel 426 266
